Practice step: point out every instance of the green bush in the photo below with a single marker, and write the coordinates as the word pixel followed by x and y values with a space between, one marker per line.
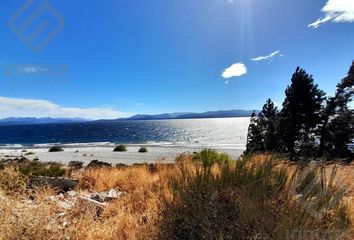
pixel 208 157
pixel 36 168
pixel 56 148
pixel 120 148
pixel 143 150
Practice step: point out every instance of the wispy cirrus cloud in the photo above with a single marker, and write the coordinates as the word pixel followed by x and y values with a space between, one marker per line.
pixel 235 70
pixel 267 57
pixel 32 69
pixel 20 107
pixel 336 11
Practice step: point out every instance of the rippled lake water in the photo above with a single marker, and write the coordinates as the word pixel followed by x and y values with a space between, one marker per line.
pixel 215 132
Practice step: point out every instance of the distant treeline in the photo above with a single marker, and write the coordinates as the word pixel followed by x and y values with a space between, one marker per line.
pixel 310 124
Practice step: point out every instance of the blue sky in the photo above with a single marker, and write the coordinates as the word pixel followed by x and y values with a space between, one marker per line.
pixel 114 58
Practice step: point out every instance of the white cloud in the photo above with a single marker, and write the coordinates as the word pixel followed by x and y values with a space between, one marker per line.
pixel 268 57
pixel 235 70
pixel 32 69
pixel 19 107
pixel 336 11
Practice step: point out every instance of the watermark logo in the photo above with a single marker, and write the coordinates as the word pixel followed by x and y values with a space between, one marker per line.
pixel 317 192
pixel 37 72
pixel 36 25
pixel 301 234
pixel 316 196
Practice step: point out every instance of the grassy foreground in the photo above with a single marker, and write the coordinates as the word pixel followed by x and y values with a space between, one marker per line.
pixel 203 196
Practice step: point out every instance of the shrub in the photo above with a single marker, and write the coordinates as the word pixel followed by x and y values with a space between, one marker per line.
pixel 98 164
pixel 75 164
pixel 120 148
pixel 143 150
pixel 208 157
pixel 56 148
pixel 121 165
pixel 57 183
pixel 36 168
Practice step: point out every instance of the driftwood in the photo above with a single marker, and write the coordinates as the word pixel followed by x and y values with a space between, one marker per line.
pixel 88 199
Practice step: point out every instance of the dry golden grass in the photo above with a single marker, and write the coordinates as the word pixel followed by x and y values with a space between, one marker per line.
pixel 133 216
pixel 140 213
pixel 345 175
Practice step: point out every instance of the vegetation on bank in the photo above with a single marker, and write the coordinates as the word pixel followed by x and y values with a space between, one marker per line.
pixel 310 124
pixel 56 148
pixel 35 168
pixel 120 148
pixel 143 150
pixel 206 195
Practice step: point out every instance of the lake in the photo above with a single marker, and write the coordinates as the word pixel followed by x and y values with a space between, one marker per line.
pixel 213 132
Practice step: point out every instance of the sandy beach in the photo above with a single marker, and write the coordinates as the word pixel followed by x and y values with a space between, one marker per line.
pixel 106 154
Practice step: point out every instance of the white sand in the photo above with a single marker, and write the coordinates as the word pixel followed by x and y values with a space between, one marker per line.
pixel 106 154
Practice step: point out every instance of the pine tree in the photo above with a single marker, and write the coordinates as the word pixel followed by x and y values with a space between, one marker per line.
pixel 341 133
pixel 262 131
pixel 267 119
pixel 326 112
pixel 300 114
pixel 337 129
pixel 255 141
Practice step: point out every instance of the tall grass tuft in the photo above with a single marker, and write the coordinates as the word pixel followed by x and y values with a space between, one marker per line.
pixel 214 197
pixel 12 182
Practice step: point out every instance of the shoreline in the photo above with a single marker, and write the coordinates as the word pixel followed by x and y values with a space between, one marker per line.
pixel 86 153
pixel 187 145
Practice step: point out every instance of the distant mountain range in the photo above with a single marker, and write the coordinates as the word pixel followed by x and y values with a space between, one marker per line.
pixel 33 120
pixel 179 115
pixel 209 114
